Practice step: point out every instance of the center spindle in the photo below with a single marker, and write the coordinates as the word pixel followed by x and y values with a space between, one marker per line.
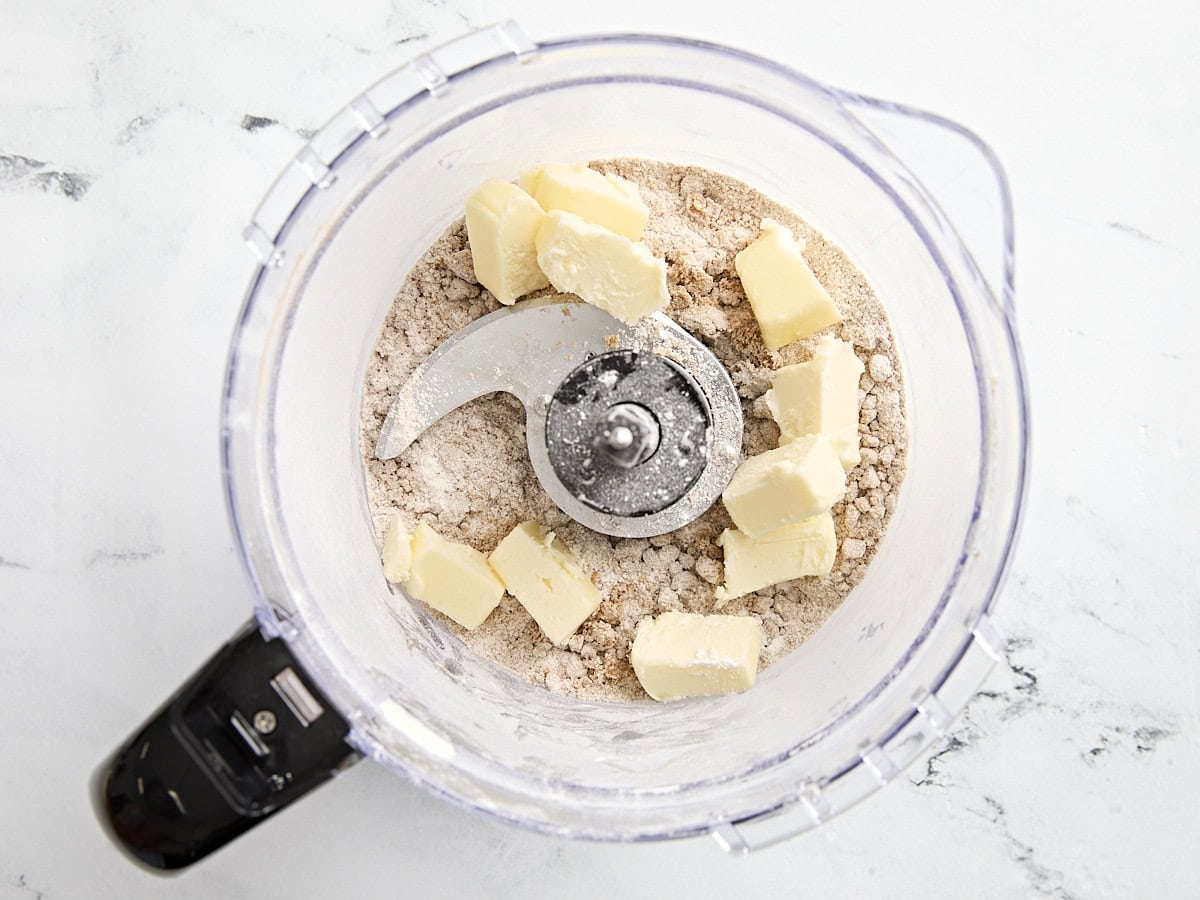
pixel 628 435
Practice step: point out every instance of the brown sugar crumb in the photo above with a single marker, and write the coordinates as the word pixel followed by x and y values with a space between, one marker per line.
pixel 469 475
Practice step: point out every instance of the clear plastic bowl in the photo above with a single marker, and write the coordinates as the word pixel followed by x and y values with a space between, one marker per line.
pixel 836 718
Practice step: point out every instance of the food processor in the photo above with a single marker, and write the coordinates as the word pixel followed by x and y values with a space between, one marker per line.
pixel 334 668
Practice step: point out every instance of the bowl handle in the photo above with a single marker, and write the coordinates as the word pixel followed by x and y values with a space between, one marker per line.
pixel 960 178
pixel 245 736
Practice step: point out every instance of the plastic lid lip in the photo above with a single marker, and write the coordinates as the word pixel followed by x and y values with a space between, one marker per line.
pixel 239 427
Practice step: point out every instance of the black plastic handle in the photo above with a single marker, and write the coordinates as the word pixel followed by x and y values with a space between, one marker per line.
pixel 248 734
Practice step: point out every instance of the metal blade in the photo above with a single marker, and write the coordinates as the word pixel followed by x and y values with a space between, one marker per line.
pixel 528 351
pixel 523 350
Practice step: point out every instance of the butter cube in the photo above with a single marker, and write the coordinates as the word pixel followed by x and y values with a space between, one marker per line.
pixel 606 200
pixel 502 222
pixel 601 267
pixel 786 297
pixel 452 578
pixel 794 551
pixel 786 485
pixel 542 573
pixel 821 397
pixel 397 551
pixel 688 655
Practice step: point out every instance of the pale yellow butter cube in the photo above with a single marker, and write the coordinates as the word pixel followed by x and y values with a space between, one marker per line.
pixel 794 551
pixel 397 551
pixel 821 397
pixel 502 223
pixel 786 297
pixel 601 267
pixel 687 655
pixel 606 200
pixel 452 578
pixel 785 485
pixel 542 573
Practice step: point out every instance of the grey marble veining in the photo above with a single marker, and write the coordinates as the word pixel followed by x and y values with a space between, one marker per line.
pixel 135 142
pixel 22 173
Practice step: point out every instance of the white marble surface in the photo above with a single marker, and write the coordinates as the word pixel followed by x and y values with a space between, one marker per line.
pixel 135 139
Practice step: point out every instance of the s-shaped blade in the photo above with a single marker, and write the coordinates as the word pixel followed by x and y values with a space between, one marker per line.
pixel 632 430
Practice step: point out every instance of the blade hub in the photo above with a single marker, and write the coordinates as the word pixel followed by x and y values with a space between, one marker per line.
pixel 628 432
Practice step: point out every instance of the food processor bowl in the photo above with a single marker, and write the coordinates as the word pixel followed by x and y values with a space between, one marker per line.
pixel 918 204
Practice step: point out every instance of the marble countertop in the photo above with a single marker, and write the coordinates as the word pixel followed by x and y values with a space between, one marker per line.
pixel 135 142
